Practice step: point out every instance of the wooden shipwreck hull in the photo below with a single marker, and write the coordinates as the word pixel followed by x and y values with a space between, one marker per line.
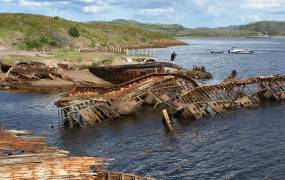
pixel 32 72
pixel 27 157
pixel 96 104
pixel 209 100
pixel 178 93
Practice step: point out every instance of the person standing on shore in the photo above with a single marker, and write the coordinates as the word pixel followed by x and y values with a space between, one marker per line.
pixel 173 56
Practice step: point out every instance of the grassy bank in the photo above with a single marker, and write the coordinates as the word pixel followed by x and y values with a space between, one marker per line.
pixel 70 56
pixel 28 32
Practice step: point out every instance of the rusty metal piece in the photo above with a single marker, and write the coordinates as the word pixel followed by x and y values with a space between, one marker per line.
pixel 123 73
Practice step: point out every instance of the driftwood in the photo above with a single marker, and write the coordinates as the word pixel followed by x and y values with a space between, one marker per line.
pixel 28 157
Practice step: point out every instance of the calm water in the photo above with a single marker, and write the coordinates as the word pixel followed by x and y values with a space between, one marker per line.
pixel 243 144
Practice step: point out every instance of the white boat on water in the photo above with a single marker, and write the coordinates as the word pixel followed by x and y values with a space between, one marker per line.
pixel 239 51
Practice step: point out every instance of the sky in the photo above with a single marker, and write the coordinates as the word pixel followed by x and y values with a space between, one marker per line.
pixel 190 13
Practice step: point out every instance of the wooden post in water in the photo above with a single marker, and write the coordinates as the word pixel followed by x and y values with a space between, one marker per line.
pixel 167 120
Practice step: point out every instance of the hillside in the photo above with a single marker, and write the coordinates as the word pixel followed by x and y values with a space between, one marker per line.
pixel 270 28
pixel 169 29
pixel 27 31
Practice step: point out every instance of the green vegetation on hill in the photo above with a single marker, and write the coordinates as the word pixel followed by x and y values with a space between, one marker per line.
pixel 169 29
pixel 28 32
pixel 270 28
pixel 219 32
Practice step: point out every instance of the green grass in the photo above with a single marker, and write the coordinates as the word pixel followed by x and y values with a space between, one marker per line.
pixel 68 56
pixel 35 31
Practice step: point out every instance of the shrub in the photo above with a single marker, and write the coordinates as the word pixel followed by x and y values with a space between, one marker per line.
pixel 53 43
pixel 73 31
pixel 44 40
pixel 32 43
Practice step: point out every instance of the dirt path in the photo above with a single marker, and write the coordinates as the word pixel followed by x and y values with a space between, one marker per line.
pixel 23 53
pixel 86 77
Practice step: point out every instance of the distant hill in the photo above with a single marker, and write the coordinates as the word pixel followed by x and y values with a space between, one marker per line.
pixel 27 31
pixel 271 28
pixel 169 29
pixel 262 28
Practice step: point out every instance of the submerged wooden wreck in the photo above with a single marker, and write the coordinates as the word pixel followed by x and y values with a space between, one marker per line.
pixel 208 100
pixel 85 104
pixel 28 157
pixel 180 94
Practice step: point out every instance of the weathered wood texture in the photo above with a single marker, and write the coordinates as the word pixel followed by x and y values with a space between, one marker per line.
pixel 27 157
pixel 179 93
pixel 250 92
pixel 96 104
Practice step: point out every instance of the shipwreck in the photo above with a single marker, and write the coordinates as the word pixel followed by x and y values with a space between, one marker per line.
pixel 178 93
pixel 123 73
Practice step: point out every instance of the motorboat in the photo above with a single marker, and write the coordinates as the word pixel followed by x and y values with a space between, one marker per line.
pixel 239 51
pixel 217 52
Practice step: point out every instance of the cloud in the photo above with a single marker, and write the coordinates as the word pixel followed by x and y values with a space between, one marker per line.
pixel 216 10
pixel 87 1
pixel 201 2
pixel 33 3
pixel 273 6
pixel 245 18
pixel 156 11
pixel 94 9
